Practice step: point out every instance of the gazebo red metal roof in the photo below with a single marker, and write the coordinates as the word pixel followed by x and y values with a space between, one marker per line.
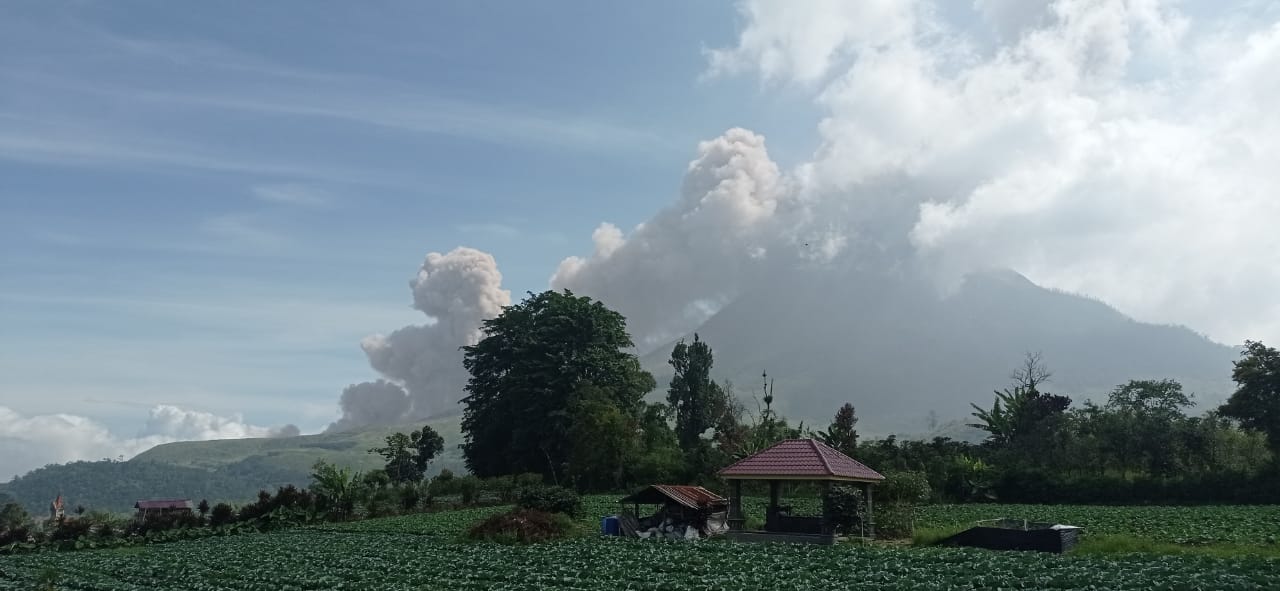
pixel 800 459
pixel 693 497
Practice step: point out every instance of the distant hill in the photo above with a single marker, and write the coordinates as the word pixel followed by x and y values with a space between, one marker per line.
pixel 896 350
pixel 232 470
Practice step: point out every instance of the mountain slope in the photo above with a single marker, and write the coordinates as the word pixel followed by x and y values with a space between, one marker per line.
pixel 232 470
pixel 897 351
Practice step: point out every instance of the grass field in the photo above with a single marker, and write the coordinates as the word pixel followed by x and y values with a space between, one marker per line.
pixel 423 552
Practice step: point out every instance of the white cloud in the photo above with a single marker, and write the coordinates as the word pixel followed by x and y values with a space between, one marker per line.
pixel 29 442
pixel 293 194
pixel 1120 148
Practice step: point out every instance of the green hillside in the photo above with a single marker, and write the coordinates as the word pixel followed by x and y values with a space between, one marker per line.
pixel 295 454
pixel 232 470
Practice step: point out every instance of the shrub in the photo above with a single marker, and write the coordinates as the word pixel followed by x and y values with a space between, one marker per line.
pixel 905 487
pixel 221 514
pixel 382 502
pixel 522 526
pixel 410 497
pixel 550 499
pixel 843 507
pixel 895 521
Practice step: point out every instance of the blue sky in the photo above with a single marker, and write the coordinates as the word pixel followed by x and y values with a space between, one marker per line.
pixel 205 206
pixel 209 204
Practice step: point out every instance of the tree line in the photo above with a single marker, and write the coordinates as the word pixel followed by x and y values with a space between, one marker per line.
pixel 555 390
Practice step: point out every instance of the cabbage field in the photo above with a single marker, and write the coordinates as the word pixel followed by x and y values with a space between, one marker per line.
pixel 423 552
pixel 1236 524
pixel 307 559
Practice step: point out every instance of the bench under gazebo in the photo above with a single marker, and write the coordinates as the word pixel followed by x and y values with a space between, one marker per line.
pixel 796 460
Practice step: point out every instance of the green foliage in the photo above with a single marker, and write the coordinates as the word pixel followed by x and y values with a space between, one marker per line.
pixel 336 489
pixel 903 488
pixel 13 516
pixel 660 459
pixel 1017 413
pixel 427 444
pixel 401 463
pixel 526 372
pixel 844 507
pixel 604 441
pixel 407 456
pixel 222 514
pixel 841 434
pixel 550 499
pixel 1256 401
pixel 697 401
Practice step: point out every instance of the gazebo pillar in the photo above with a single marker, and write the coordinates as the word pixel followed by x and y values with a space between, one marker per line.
pixel 736 520
pixel 871 510
pixel 771 516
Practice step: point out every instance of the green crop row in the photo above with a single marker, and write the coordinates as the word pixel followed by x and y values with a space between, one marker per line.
pixel 445 524
pixel 307 559
pixel 1237 524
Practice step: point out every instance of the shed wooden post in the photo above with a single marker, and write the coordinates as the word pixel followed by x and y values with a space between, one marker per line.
pixel 736 521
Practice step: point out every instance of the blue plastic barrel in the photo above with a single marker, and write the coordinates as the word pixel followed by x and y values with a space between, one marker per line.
pixel 609 525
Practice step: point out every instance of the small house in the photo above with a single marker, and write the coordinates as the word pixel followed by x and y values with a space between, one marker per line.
pixel 162 507
pixel 684 512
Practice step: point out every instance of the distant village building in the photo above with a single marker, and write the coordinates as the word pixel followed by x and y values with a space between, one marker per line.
pixel 162 506
pixel 57 509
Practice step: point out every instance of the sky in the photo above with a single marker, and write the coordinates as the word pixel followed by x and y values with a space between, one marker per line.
pixel 215 217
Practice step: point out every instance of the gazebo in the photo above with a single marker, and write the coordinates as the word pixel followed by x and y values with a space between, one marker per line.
pixel 796 460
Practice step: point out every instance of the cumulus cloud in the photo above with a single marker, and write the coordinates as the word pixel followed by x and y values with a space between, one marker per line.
pixel 1120 148
pixel 29 442
pixel 456 291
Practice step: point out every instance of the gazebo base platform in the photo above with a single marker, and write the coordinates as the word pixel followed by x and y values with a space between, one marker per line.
pixel 783 538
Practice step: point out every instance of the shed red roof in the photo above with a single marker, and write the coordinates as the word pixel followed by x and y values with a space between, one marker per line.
pixel 801 459
pixel 163 504
pixel 693 497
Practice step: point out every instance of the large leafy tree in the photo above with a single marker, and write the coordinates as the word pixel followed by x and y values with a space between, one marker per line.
pixel 1023 410
pixel 409 455
pixel 841 434
pixel 1256 401
pixel 604 441
pixel 1143 423
pixel 398 452
pixel 427 444
pixel 697 401
pixel 527 372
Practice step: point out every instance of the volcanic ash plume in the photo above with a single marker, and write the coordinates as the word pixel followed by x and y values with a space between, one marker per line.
pixel 422 363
